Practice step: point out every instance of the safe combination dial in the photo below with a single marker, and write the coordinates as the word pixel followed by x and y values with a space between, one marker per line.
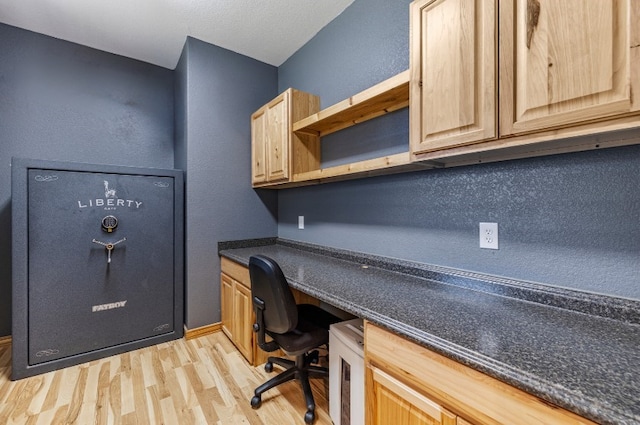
pixel 109 223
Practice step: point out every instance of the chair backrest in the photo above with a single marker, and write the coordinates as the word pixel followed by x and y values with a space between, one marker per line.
pixel 269 285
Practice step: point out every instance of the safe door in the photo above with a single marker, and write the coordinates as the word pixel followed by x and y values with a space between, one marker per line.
pixel 101 273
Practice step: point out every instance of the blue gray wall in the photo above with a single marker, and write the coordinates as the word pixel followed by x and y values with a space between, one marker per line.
pixel 62 101
pixel 568 220
pixel 216 93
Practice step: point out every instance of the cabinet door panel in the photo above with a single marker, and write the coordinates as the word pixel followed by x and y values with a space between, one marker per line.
pixel 243 334
pixel 391 408
pixel 258 146
pixel 563 62
pixel 278 130
pixel 453 81
pixel 226 306
pixel 398 404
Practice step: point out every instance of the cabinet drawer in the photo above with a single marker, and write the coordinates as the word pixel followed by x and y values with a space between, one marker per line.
pixel 396 402
pixel 236 271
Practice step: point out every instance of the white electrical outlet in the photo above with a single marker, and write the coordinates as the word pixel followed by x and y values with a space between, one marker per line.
pixel 489 235
pixel 300 222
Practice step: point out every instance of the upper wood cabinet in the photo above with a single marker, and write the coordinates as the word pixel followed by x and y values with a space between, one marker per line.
pixel 565 62
pixel 259 146
pixel 562 69
pixel 276 151
pixel 488 80
pixel 453 73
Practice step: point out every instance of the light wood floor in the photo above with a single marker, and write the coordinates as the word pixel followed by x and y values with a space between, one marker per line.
pixel 199 381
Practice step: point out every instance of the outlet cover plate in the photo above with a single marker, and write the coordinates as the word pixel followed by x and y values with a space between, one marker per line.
pixel 489 235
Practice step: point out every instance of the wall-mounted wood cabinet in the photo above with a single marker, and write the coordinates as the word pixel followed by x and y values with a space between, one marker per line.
pixel 276 151
pixel 453 73
pixel 565 62
pixel 488 80
pixel 422 387
pixel 562 69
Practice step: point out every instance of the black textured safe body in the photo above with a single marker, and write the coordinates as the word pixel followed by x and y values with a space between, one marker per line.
pixel 97 261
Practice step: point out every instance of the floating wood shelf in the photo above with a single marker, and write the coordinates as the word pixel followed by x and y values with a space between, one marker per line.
pixel 390 164
pixel 387 96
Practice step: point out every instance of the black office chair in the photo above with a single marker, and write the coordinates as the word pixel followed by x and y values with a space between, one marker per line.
pixel 297 329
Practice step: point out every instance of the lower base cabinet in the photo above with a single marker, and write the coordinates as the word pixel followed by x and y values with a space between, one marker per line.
pixel 407 384
pixel 237 310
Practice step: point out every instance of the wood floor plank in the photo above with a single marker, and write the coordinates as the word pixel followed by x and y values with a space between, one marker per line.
pixel 60 415
pixel 30 390
pixel 37 399
pixel 139 393
pixel 5 385
pixel 160 375
pixel 102 402
pixel 53 392
pixel 126 385
pixel 202 381
pixel 205 378
pixel 146 361
pixel 115 398
pixel 181 408
pixel 77 397
pixel 203 396
pixel 153 404
pixel 46 417
pixel 90 392
pixel 168 411
pixel 70 376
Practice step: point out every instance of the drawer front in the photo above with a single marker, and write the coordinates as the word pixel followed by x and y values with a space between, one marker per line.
pixel 236 271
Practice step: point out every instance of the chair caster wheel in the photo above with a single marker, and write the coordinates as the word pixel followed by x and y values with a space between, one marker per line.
pixel 268 367
pixel 256 401
pixel 314 357
pixel 309 417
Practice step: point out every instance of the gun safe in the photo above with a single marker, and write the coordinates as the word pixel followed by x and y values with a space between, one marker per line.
pixel 97 261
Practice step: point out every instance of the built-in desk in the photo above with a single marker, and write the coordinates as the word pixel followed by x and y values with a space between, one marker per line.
pixel 515 332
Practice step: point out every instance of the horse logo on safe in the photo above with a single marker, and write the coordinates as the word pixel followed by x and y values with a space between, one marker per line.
pixel 108 193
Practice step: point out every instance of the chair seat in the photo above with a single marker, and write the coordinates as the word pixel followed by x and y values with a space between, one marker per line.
pixel 312 330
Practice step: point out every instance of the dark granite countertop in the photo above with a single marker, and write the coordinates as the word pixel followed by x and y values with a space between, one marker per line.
pixel 516 332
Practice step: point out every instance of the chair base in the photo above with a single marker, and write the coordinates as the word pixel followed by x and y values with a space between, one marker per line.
pixel 300 369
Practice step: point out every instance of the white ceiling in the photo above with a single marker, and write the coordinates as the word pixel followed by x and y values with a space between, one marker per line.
pixel 154 31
